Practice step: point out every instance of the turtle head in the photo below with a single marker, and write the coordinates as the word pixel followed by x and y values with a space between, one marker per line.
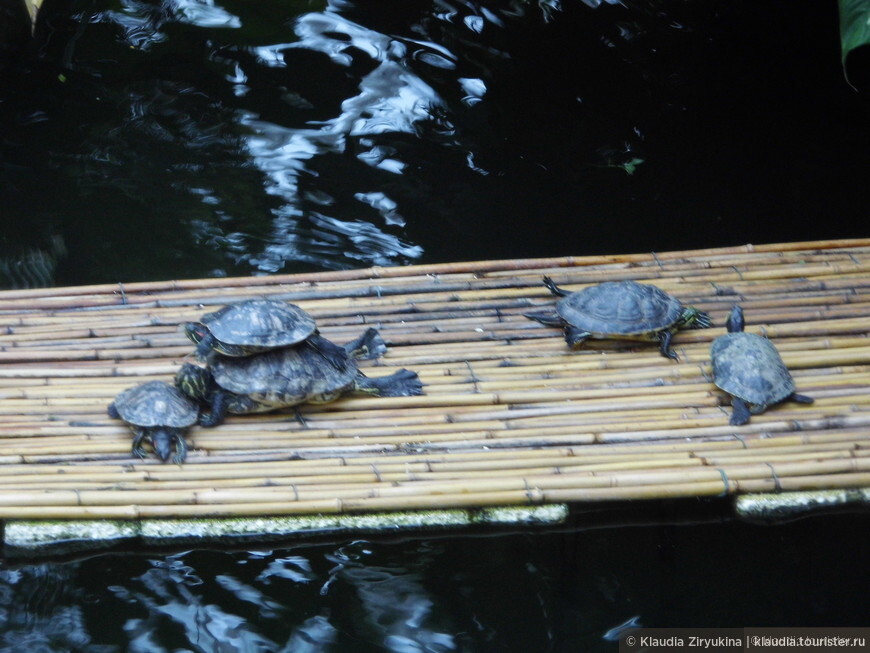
pixel 201 337
pixel 161 442
pixel 692 318
pixel 735 321
pixel 193 381
pixel 165 441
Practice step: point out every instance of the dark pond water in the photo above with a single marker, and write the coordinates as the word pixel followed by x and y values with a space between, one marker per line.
pixel 543 592
pixel 145 139
pixel 148 139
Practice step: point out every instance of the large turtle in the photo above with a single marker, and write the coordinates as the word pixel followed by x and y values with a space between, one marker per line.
pixel 620 310
pixel 158 414
pixel 255 326
pixel 749 368
pixel 285 377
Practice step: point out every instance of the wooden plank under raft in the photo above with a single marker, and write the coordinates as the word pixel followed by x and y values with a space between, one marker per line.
pixel 510 417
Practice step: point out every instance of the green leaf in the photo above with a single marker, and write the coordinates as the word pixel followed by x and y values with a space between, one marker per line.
pixel 854 25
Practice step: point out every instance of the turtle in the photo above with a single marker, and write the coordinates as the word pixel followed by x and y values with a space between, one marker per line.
pixel 285 377
pixel 749 368
pixel 255 326
pixel 158 414
pixel 620 310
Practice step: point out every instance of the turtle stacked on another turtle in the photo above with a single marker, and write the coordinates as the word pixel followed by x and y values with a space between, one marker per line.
pixel 264 355
pixel 287 377
pixel 255 326
pixel 260 355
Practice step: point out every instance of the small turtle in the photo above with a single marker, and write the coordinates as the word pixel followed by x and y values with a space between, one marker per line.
pixel 286 377
pixel 255 326
pixel 749 368
pixel 158 414
pixel 620 310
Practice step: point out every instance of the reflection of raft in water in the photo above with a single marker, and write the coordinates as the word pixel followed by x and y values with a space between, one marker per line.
pixel 510 416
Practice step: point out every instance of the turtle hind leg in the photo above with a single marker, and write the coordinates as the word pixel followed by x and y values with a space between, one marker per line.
pixel 547 318
pixel 553 288
pixel 368 346
pixel 740 415
pixel 575 337
pixel 800 399
pixel 665 346
pixel 334 354
pixel 403 383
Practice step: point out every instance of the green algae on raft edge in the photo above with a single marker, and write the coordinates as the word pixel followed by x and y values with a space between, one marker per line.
pixel 34 533
pixel 785 505
pixel 24 537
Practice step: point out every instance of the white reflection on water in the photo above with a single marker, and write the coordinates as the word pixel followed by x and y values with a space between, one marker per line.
pixel 397 608
pixel 391 99
pixel 205 13
pixel 40 612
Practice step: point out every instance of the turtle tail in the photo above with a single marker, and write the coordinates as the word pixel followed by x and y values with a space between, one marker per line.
pixel 368 346
pixel 403 383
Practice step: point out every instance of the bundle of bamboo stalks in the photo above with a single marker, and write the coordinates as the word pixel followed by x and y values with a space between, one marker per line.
pixel 510 415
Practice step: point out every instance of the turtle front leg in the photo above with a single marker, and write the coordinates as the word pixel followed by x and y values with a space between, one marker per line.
pixel 217 411
pixel 800 399
pixel 575 337
pixel 139 437
pixel 224 403
pixel 740 414
pixel 665 346
pixel 180 449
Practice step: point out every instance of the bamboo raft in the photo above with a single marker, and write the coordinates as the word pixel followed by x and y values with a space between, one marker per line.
pixel 510 417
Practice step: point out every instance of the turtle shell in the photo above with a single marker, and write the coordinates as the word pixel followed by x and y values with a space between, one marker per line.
pixel 284 377
pixel 749 367
pixel 620 308
pixel 156 404
pixel 260 323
